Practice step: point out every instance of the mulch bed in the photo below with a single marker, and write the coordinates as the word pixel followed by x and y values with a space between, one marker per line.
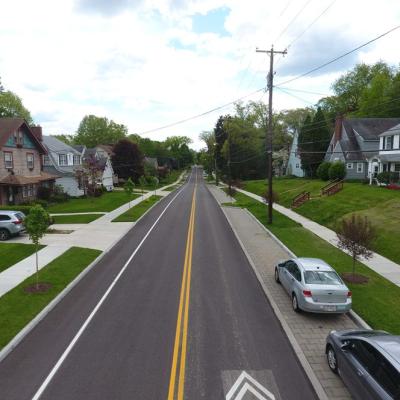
pixel 354 278
pixel 40 288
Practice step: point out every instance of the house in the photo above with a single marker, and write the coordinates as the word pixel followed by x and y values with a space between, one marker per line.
pixel 64 161
pixel 102 161
pixel 356 141
pixel 294 162
pixel 21 173
pixel 388 158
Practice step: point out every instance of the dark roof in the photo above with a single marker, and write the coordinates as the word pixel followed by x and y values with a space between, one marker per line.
pixel 79 147
pixel 9 125
pixel 370 128
pixel 17 180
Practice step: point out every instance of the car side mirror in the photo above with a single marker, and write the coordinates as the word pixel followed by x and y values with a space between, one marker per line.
pixel 346 346
pixel 281 262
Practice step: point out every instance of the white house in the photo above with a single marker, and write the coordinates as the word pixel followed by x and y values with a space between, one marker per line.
pixel 294 162
pixel 62 160
pixel 388 157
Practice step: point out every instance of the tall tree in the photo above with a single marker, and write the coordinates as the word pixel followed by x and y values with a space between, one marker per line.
pixel 11 106
pixel 220 135
pixel 128 160
pixel 94 130
pixel 304 144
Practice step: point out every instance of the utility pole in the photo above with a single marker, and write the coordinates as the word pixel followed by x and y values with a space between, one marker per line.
pixel 269 132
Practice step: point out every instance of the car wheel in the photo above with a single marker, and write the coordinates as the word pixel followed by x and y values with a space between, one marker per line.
pixel 331 358
pixel 4 234
pixel 295 303
pixel 277 276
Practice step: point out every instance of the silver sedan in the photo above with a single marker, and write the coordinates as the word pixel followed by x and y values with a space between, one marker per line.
pixel 313 286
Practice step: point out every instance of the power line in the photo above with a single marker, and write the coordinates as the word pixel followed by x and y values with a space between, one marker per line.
pixel 339 57
pixel 294 96
pixel 200 115
pixel 303 91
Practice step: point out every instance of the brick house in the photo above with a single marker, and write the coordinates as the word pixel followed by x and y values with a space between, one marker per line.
pixel 21 152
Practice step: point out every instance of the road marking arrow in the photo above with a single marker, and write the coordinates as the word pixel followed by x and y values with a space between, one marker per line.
pixel 248 384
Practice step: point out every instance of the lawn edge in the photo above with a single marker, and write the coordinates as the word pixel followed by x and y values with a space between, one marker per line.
pixel 13 343
pixel 148 210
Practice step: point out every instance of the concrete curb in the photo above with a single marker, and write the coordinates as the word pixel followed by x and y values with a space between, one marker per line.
pixel 296 348
pixel 6 350
pixel 351 314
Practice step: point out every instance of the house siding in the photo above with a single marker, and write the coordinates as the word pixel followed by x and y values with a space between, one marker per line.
pixel 70 186
pixel 20 166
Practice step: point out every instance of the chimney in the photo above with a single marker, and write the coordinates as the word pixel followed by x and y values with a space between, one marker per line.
pixel 37 131
pixel 338 128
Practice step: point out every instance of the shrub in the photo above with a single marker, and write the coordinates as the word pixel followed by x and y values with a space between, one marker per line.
pixel 43 203
pixel 337 170
pixel 323 170
pixel 388 177
pixel 23 208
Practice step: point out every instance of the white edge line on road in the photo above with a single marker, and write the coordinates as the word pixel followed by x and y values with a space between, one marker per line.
pixel 54 370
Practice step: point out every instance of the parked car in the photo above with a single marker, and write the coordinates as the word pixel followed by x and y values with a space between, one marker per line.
pixel 367 361
pixel 313 286
pixel 11 223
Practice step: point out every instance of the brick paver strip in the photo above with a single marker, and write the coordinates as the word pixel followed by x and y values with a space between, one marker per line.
pixel 309 330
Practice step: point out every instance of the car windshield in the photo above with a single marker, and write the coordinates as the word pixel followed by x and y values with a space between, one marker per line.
pixel 322 278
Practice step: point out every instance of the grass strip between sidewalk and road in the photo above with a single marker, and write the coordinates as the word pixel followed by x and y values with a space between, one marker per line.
pixel 75 219
pixel 377 301
pixel 18 307
pixel 135 212
pixel 12 253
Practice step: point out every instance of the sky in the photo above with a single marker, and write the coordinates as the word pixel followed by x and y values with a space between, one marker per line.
pixel 150 63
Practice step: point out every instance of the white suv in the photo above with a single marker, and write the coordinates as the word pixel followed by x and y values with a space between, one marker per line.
pixel 11 223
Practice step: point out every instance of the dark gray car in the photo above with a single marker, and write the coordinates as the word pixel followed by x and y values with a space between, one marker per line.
pixel 368 362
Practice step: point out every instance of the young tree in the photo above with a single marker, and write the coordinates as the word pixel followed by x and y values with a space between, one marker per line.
pixel 11 106
pixel 36 224
pixel 356 235
pixel 142 183
pixel 128 187
pixel 128 160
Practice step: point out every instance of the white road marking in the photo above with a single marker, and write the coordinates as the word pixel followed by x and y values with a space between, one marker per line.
pixel 256 388
pixel 46 382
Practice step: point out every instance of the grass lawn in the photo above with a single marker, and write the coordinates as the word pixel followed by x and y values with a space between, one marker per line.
pixel 134 213
pixel 376 302
pixel 107 202
pixel 381 205
pixel 11 253
pixel 18 308
pixel 172 188
pixel 75 219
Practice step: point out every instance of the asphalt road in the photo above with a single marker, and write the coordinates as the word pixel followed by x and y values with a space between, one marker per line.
pixel 183 317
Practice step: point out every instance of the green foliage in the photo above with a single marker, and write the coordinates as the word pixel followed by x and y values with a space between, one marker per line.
pixel 337 170
pixel 36 223
pixel 11 106
pixel 128 188
pixel 323 170
pixel 68 139
pixel 93 131
pixel 388 177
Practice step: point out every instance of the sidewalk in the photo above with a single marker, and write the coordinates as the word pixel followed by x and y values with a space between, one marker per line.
pixel 307 332
pixel 99 234
pixel 381 265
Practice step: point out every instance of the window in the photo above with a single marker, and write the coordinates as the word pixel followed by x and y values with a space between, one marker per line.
pixel 8 159
pixel 364 353
pixel 77 160
pixel 297 166
pixel 24 191
pixel 294 270
pixel 62 160
pixel 388 142
pixel 322 278
pixel 387 376
pixel 29 160
pixel 5 217
pixel 30 190
pixel 349 165
pixel 360 167
pixel 46 160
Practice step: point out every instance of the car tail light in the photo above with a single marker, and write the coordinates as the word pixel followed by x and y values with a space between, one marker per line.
pixel 17 222
pixel 307 293
pixel 349 294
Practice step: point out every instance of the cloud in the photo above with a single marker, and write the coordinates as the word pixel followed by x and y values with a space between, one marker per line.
pixel 106 7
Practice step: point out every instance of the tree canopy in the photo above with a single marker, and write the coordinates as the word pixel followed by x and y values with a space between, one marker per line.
pixel 11 106
pixel 95 130
pixel 128 160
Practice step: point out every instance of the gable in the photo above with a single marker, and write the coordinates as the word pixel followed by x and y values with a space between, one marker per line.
pixel 15 132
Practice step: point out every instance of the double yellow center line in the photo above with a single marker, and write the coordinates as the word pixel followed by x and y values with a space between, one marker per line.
pixel 177 378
